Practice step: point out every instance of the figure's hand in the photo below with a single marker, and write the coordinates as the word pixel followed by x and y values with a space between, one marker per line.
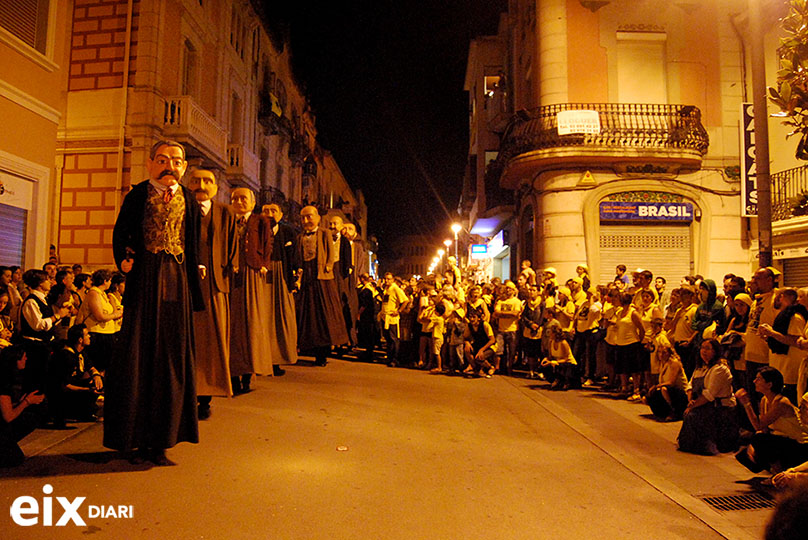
pixel 263 271
pixel 62 312
pixel 764 330
pixel 203 272
pixel 99 383
pixel 742 396
pixel 126 265
pixel 117 314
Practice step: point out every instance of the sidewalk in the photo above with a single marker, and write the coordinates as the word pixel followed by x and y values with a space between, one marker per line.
pixel 630 435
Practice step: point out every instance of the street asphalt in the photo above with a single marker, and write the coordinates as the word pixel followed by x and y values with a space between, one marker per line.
pixel 363 451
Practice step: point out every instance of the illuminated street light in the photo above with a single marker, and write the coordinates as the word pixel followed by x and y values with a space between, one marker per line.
pixel 456 228
pixel 447 243
pixel 441 252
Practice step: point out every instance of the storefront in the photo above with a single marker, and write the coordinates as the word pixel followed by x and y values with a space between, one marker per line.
pixel 491 259
pixel 654 235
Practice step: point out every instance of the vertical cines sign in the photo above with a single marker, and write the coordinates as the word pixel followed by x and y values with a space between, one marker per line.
pixel 749 196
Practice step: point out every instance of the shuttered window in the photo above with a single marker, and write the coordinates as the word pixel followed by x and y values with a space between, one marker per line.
pixel 795 272
pixel 27 20
pixel 663 249
pixel 12 235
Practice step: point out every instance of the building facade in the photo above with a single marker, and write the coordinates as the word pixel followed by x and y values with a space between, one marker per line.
pixel 117 75
pixel 34 56
pixel 609 132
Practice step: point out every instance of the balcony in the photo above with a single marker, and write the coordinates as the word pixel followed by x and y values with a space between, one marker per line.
pixel 270 116
pixel 298 150
pixel 788 188
pixel 497 111
pixel 185 121
pixel 631 138
pixel 242 165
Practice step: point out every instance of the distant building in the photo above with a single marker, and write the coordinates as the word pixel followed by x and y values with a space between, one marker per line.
pixel 411 255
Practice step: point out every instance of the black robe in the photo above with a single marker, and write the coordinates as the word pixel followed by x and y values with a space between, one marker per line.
pixel 150 383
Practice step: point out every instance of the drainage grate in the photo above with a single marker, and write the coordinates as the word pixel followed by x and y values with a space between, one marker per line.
pixel 750 501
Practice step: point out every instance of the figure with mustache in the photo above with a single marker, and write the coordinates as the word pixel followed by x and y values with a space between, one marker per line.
pixel 250 298
pixel 281 277
pixel 151 393
pixel 218 253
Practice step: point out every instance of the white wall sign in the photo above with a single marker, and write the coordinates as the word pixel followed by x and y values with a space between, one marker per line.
pixel 578 122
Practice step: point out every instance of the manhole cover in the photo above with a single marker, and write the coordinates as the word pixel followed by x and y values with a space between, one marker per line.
pixel 749 501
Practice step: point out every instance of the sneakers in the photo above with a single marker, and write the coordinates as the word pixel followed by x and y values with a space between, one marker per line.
pixel 588 383
pixel 634 398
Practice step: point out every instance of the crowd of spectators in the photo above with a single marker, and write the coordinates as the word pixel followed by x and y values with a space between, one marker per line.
pixel 58 330
pixel 730 365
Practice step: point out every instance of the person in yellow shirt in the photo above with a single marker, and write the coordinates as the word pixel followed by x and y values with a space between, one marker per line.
pixel 681 330
pixel 506 313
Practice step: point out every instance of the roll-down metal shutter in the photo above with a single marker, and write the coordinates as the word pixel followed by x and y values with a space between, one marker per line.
pixel 663 249
pixel 795 272
pixel 12 235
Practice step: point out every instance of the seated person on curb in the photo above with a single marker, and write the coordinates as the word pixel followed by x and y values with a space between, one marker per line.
pixel 75 384
pixel 799 474
pixel 668 398
pixel 560 366
pixel 479 340
pixel 16 420
pixel 780 440
pixel 709 424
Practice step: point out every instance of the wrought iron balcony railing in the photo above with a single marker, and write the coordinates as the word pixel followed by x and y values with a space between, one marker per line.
pixel 790 193
pixel 650 129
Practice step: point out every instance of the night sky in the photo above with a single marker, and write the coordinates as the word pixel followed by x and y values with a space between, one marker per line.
pixel 385 79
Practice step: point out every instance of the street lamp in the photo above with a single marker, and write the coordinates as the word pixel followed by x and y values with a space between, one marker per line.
pixel 456 228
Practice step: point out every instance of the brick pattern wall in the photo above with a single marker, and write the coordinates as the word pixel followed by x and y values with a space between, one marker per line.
pixel 88 207
pixel 99 37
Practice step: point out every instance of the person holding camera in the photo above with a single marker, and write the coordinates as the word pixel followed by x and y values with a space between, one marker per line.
pixel 16 419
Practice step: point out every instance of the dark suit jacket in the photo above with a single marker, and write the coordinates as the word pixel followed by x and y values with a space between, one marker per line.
pixel 224 246
pixel 345 260
pixel 256 247
pixel 361 256
pixel 128 233
pixel 285 250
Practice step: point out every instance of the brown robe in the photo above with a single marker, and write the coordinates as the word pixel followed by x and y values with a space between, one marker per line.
pixel 218 252
pixel 251 301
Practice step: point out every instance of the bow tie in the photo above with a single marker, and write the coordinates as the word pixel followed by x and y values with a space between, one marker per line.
pixel 309 233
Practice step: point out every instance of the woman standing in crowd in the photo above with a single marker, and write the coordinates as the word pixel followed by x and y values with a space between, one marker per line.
pixel 99 316
pixel 709 425
pixel 115 292
pixel 649 311
pixel 628 336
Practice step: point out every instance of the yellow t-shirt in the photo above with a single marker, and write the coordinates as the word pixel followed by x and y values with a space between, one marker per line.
pixel 508 317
